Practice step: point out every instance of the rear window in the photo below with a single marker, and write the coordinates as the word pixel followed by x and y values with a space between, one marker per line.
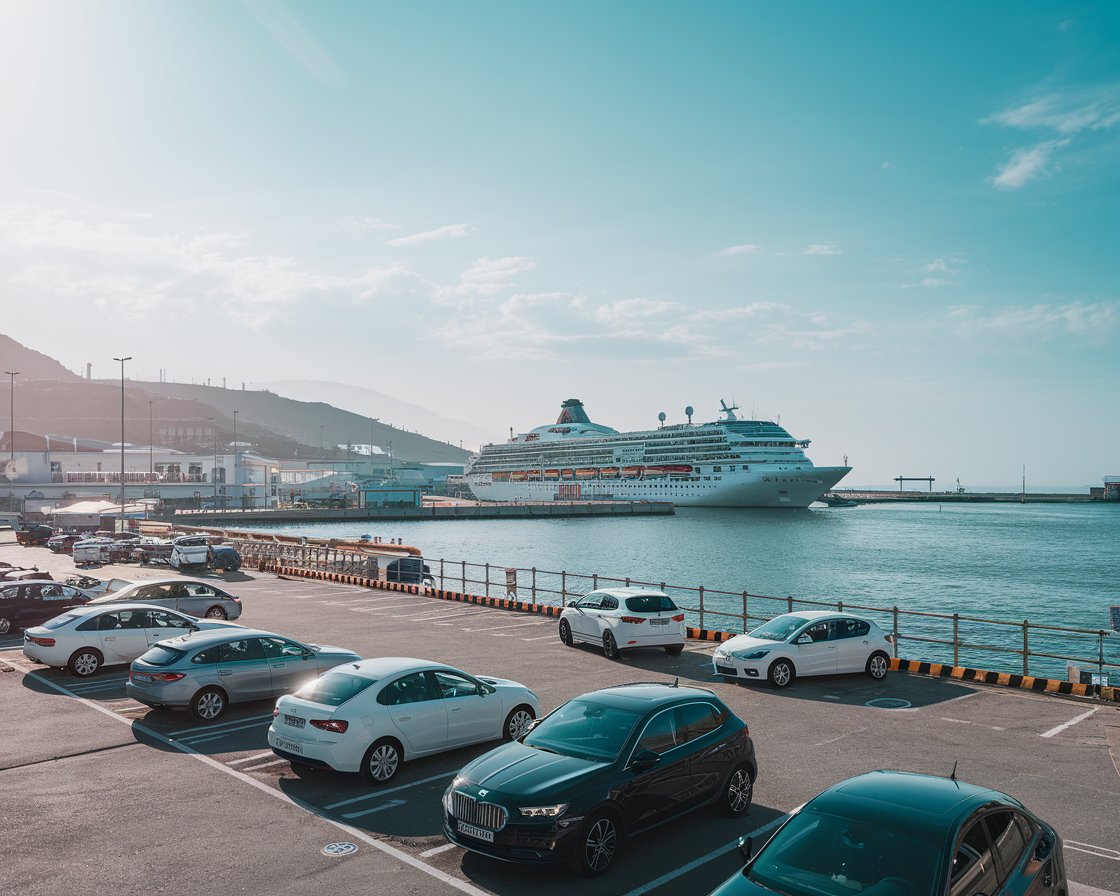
pixel 60 621
pixel 162 656
pixel 650 603
pixel 334 688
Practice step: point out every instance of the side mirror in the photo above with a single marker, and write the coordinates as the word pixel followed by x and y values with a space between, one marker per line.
pixel 480 690
pixel 746 847
pixel 644 759
pixel 804 639
pixel 192 627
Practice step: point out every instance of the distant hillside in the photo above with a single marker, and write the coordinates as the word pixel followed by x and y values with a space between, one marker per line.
pixel 32 365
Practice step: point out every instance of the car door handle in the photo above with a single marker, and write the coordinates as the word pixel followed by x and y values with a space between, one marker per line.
pixel 225 671
pixel 109 638
pixel 279 665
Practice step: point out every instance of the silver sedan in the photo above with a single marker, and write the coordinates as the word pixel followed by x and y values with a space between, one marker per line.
pixel 207 671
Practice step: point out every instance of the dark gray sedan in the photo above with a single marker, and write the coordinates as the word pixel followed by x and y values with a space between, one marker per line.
pixel 207 671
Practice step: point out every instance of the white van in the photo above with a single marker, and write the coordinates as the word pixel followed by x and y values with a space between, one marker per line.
pixel 92 551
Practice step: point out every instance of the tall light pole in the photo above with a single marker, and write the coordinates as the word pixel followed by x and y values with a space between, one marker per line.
pixel 122 360
pixel 370 446
pixel 12 374
pixel 235 480
pixel 321 459
pixel 151 444
pixel 214 475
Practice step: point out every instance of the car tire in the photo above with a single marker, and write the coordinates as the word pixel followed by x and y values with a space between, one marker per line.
pixel 5 625
pixel 737 792
pixel 517 722
pixel 217 613
pixel 781 674
pixel 566 633
pixel 878 665
pixel 598 844
pixel 610 646
pixel 674 649
pixel 381 762
pixel 84 662
pixel 209 704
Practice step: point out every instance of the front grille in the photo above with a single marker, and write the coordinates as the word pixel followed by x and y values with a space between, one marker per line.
pixel 486 815
pixel 725 670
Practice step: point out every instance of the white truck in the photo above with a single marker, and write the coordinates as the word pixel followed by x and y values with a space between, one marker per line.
pixel 190 552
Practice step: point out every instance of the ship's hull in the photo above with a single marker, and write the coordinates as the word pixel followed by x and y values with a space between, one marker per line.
pixel 754 488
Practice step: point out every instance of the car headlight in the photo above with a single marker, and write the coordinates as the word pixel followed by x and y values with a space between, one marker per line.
pixel 544 811
pixel 447 794
pixel 750 655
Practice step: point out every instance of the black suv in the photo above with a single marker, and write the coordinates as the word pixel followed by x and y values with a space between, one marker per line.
pixel 27 603
pixel 601 767
pixel 410 570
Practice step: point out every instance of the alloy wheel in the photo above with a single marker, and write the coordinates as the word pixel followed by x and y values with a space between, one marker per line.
pixel 383 763
pixel 600 845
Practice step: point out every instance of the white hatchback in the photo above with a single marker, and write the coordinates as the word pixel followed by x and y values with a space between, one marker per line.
pixel 813 642
pixel 372 715
pixel 620 619
pixel 86 638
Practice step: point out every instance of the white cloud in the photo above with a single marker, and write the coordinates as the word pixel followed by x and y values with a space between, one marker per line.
pixel 822 249
pixel 450 231
pixel 937 282
pixel 365 222
pixel 1026 165
pixel 295 40
pixel 743 249
pixel 1097 321
pixel 628 310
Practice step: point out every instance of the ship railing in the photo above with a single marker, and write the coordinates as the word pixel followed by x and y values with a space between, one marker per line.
pixel 956 638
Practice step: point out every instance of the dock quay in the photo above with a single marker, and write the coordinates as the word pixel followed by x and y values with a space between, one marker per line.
pixel 474 510
pixel 888 497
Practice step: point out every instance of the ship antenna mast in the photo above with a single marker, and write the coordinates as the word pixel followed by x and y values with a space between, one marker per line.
pixel 730 411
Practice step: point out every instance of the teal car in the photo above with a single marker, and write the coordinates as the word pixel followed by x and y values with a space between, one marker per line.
pixel 901 834
pixel 598 769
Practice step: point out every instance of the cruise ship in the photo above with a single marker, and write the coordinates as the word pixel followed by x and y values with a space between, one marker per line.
pixel 728 463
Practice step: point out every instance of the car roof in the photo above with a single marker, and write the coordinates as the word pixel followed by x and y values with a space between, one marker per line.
pixel 643 695
pixel 629 591
pixel 922 803
pixel 384 666
pixel 90 608
pixel 221 635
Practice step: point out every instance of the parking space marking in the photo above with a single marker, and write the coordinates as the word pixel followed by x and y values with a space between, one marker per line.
pixel 841 737
pixel 253 768
pixel 540 637
pixel 1100 851
pixel 251 758
pixel 88 686
pixel 204 738
pixel 703 860
pixel 201 729
pixel 354 833
pixel 380 793
pixel 500 627
pixel 436 850
pixel 1060 728
pixel 392 804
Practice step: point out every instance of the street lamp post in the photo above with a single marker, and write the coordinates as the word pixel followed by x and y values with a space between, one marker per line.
pixel 122 360
pixel 214 475
pixel 151 444
pixel 12 374
pixel 237 490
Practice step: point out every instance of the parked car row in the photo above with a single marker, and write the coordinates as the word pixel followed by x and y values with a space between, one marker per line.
pixel 184 553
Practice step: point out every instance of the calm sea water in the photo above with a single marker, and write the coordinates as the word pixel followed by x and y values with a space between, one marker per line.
pixel 1049 564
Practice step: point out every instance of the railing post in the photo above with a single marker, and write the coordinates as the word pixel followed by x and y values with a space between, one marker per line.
pixel 563 589
pixel 744 612
pixel 534 591
pixel 441 574
pixel 594 580
pixel 839 606
pixel 1026 648
pixel 1100 660
pixel 789 603
pixel 487 579
pixel 463 577
pixel 956 639
pixel 894 613
pixel 628 581
pixel 701 606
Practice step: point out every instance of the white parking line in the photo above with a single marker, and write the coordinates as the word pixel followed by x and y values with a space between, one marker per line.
pixel 540 638
pixel 500 627
pixel 399 854
pixel 253 768
pixel 213 727
pixel 250 758
pixel 203 738
pixel 380 793
pixel 436 850
pixel 1102 851
pixel 1070 723
pixel 703 860
pixel 89 687
pixel 392 804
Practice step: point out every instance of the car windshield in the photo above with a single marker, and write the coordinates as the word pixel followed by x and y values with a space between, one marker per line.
pixel 650 603
pixel 162 656
pixel 334 688
pixel 60 621
pixel 779 628
pixel 818 854
pixel 584 730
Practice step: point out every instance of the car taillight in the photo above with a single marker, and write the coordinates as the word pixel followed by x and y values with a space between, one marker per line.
pixel 42 642
pixel 236 600
pixel 633 619
pixel 161 676
pixel 275 712
pixel 335 725
pixel 679 617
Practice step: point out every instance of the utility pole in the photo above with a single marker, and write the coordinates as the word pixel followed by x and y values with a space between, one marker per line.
pixel 151 444
pixel 237 490
pixel 12 374
pixel 214 475
pixel 122 360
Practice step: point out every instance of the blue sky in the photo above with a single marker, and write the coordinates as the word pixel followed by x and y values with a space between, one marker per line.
pixel 892 226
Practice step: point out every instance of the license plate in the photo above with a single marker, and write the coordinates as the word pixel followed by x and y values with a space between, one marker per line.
pixel 288 746
pixel 659 622
pixel 471 831
pixel 294 721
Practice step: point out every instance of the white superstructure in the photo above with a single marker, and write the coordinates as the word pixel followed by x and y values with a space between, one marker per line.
pixel 729 463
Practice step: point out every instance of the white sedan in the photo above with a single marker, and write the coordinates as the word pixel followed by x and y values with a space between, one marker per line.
pixel 86 638
pixel 813 642
pixel 620 619
pixel 371 716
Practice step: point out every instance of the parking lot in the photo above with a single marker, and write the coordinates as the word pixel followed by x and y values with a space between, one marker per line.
pixel 110 795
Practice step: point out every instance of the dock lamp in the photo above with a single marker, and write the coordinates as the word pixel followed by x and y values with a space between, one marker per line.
pixel 122 360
